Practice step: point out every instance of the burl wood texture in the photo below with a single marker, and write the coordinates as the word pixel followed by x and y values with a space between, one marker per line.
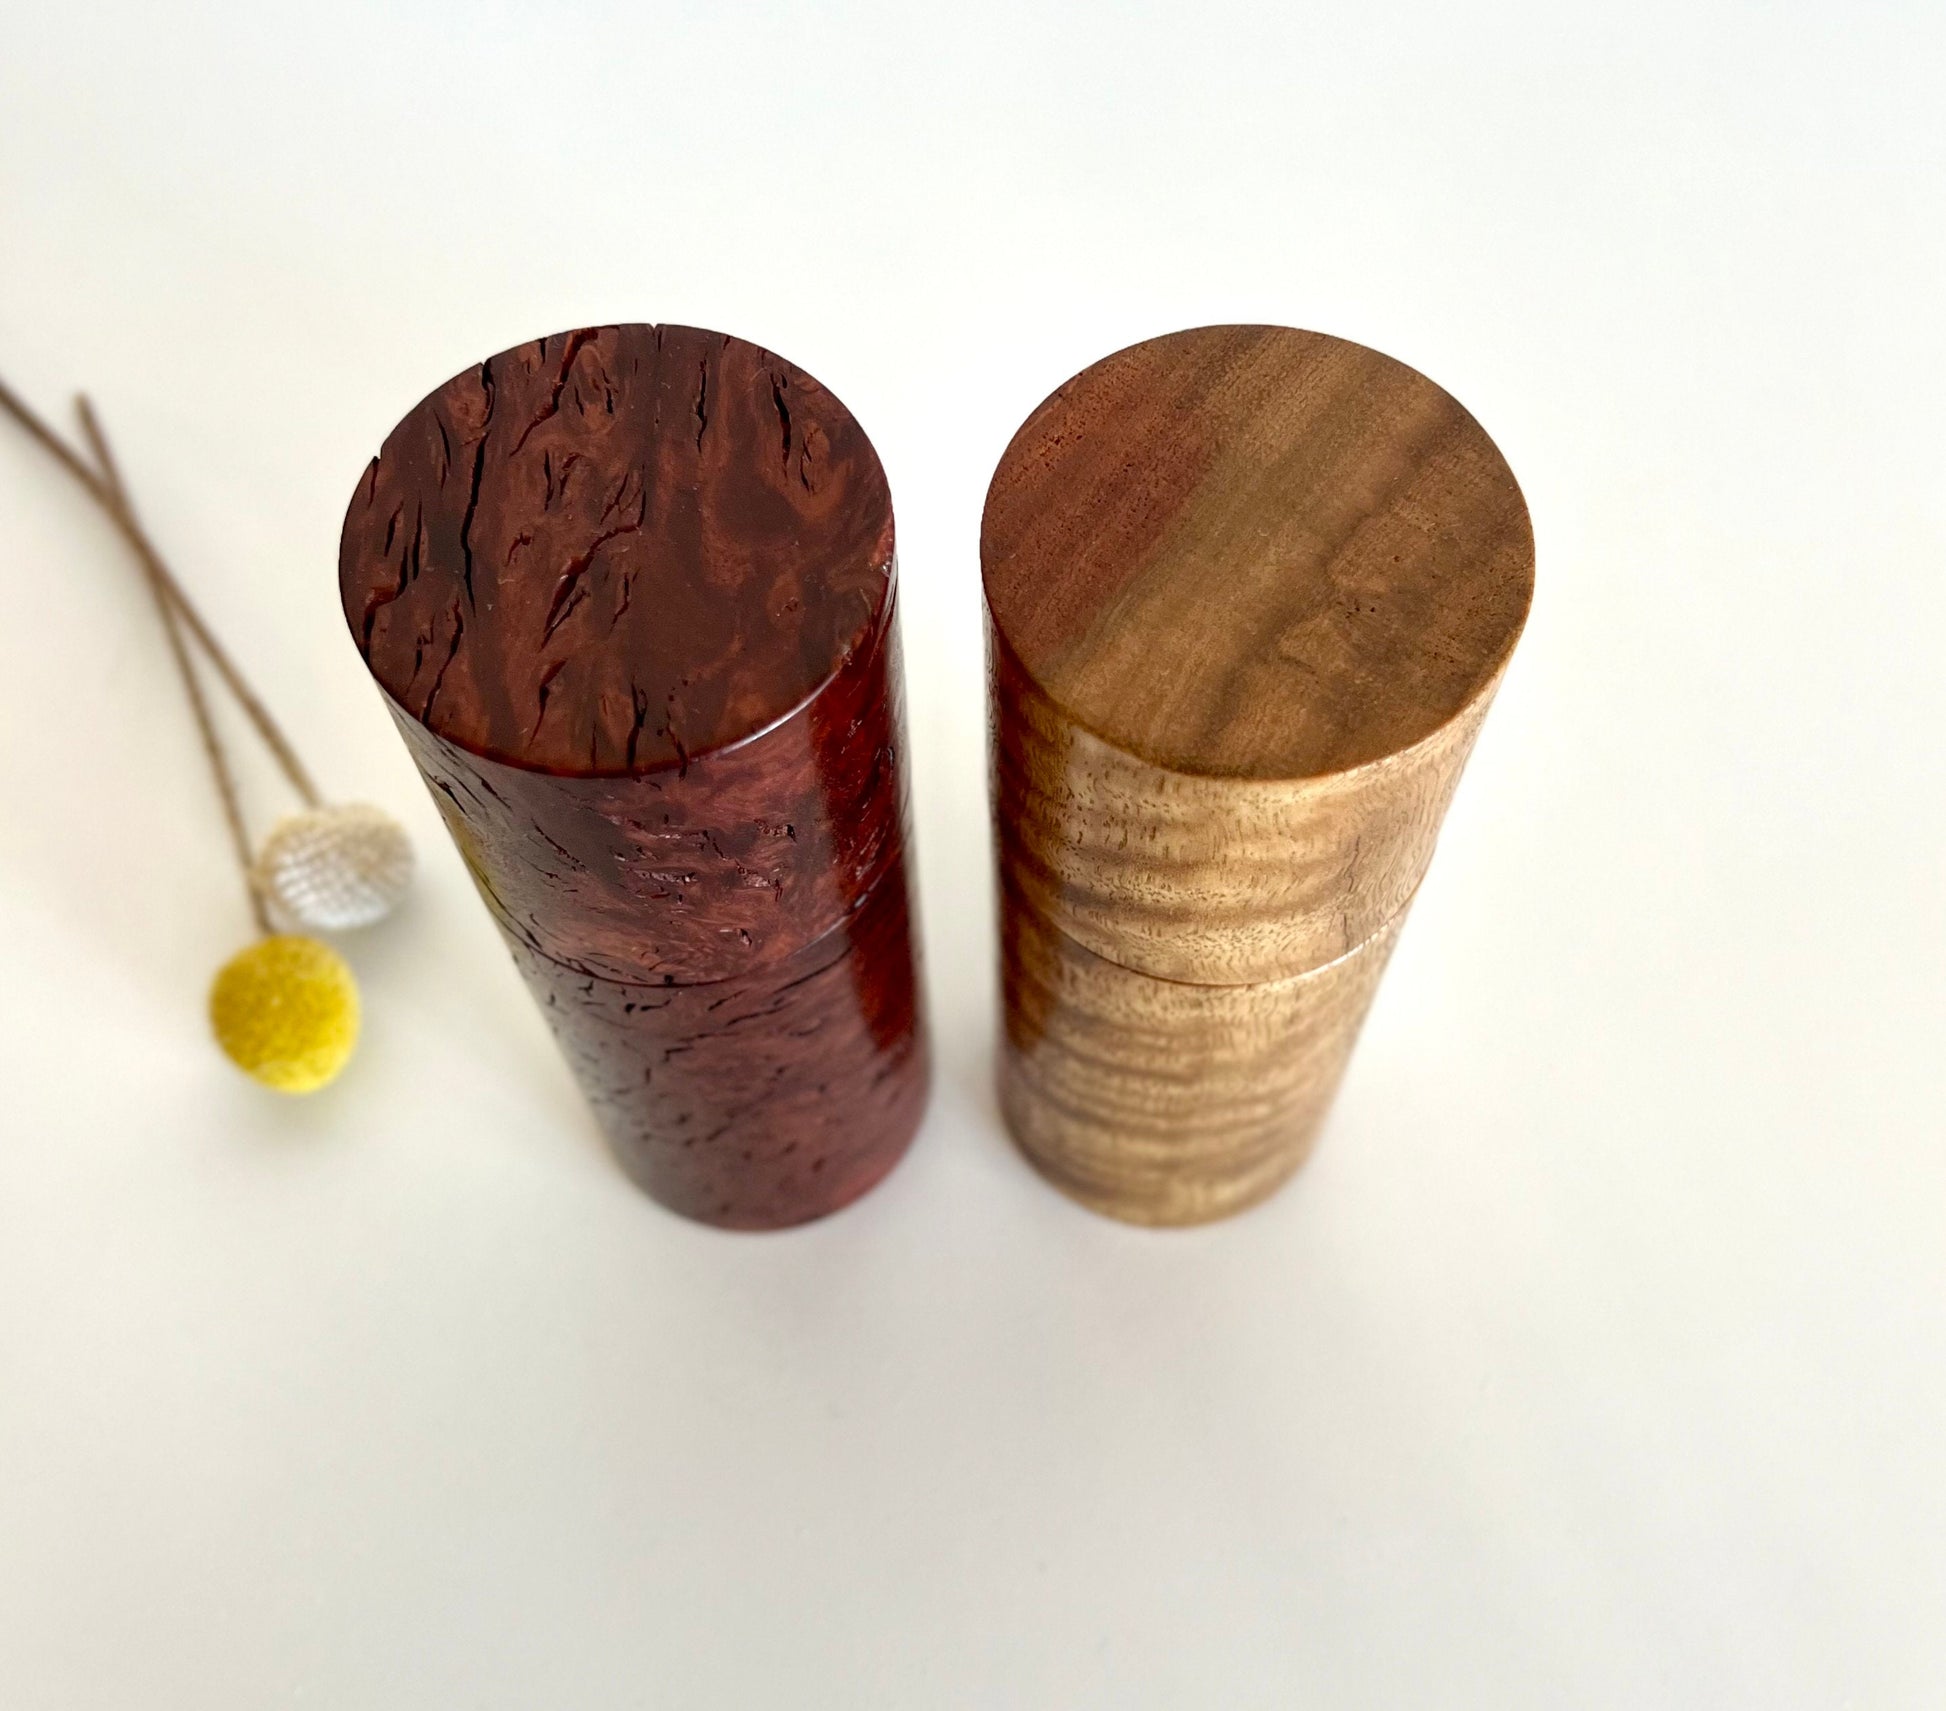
pixel 1250 592
pixel 613 551
pixel 630 595
pixel 693 873
pixel 756 1101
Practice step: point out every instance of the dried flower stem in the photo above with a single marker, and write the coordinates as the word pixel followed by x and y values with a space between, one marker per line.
pixel 107 491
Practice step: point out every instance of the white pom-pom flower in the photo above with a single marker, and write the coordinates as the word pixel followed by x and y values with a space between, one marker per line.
pixel 327 870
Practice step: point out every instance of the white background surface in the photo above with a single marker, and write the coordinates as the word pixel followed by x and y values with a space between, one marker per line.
pixel 1599 1359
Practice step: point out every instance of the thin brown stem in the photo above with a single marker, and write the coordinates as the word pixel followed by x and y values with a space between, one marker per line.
pixel 219 760
pixel 112 499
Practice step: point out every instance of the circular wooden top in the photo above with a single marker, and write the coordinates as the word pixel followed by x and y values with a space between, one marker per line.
pixel 1257 553
pixel 618 549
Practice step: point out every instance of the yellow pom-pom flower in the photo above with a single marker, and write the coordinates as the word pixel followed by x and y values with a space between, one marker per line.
pixel 285 1010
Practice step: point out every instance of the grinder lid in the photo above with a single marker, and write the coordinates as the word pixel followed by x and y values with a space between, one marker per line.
pixel 1257 553
pixel 618 549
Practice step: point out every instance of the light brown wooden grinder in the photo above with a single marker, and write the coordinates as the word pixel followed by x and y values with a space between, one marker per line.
pixel 1249 593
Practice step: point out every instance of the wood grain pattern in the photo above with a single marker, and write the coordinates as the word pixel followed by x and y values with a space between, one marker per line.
pixel 630 595
pixel 1164 1101
pixel 1255 552
pixel 1250 592
pixel 1189 877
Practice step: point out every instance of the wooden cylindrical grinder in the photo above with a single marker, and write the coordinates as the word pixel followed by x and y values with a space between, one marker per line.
pixel 1249 593
pixel 629 593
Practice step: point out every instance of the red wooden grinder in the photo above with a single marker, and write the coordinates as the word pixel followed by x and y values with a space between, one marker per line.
pixel 629 593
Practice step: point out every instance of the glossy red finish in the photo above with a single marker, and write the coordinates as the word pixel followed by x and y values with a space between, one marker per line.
pixel 630 596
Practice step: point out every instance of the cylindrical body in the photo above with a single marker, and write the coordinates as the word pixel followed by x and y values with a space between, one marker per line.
pixel 629 593
pixel 1249 594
